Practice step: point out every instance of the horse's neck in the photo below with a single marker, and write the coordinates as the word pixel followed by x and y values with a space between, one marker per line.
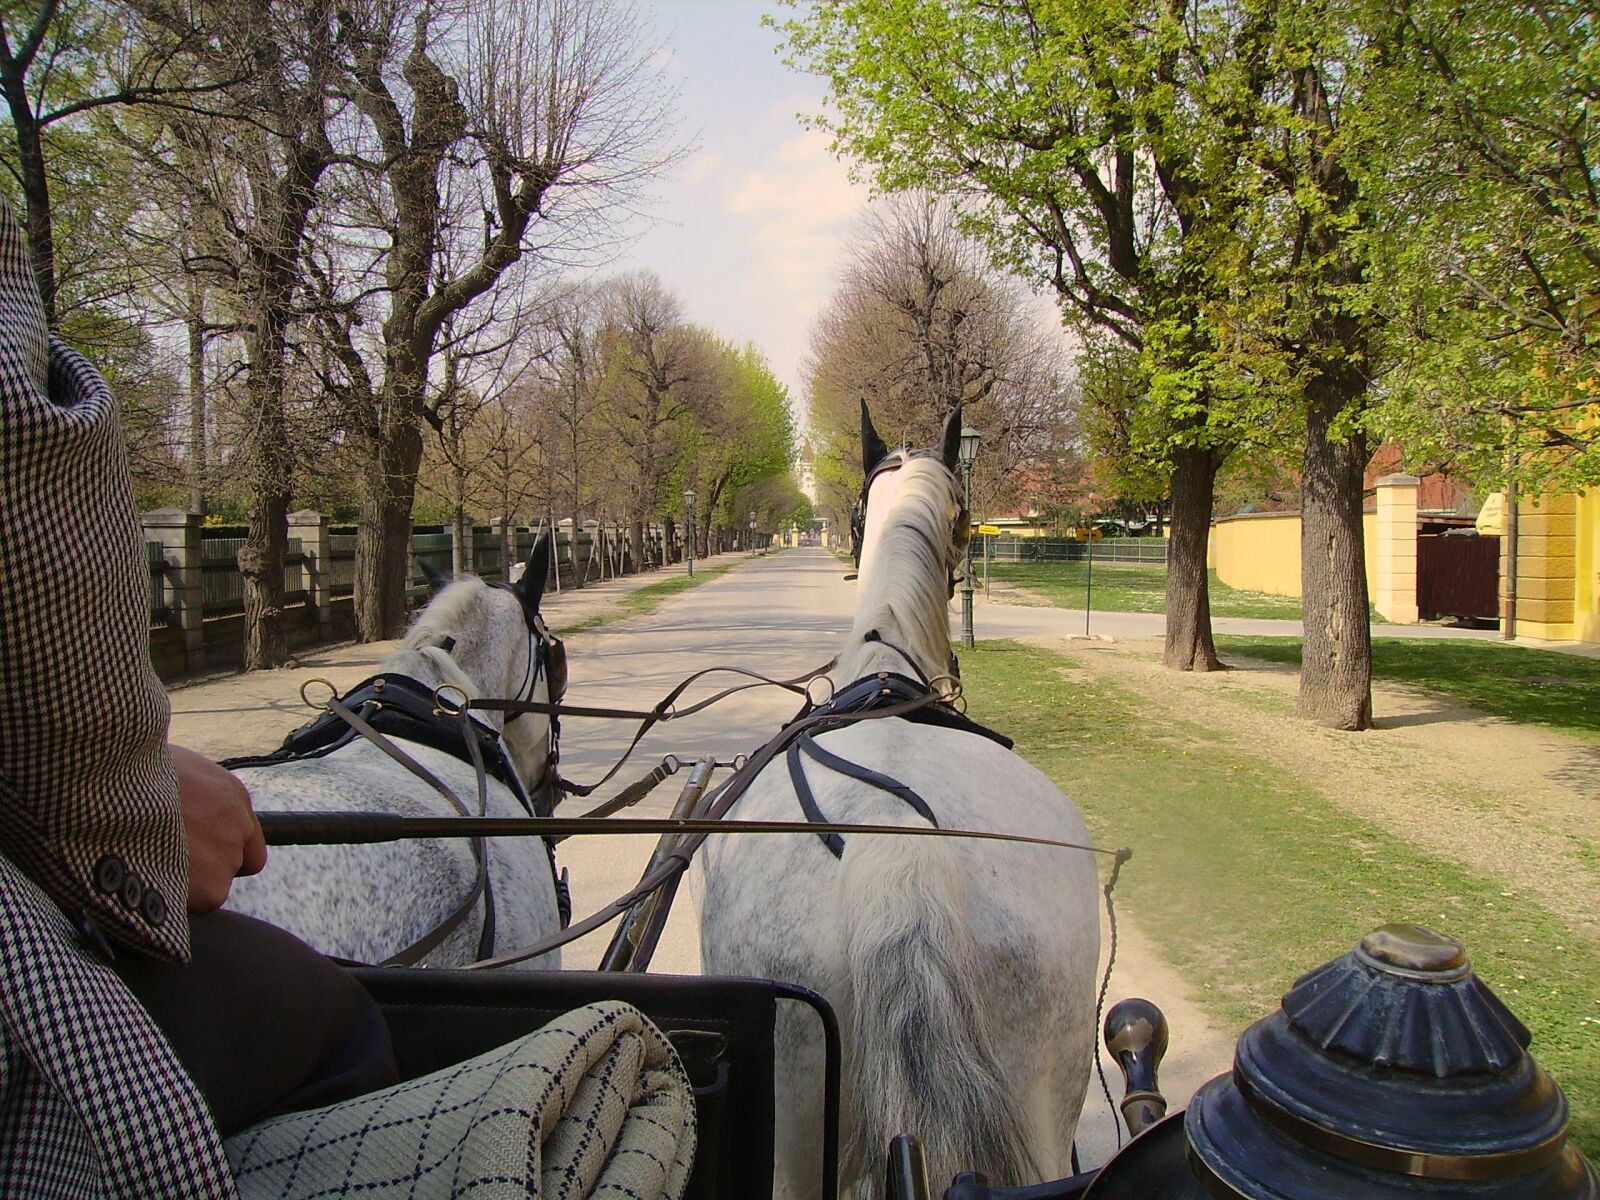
pixel 528 745
pixel 898 617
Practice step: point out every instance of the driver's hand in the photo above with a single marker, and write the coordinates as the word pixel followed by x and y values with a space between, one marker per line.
pixel 221 828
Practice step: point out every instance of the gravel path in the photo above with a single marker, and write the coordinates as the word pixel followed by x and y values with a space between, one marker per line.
pixel 1516 801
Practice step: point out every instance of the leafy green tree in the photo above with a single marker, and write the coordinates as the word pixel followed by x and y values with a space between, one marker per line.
pixel 1096 148
pixel 1487 181
pixel 61 62
pixel 743 432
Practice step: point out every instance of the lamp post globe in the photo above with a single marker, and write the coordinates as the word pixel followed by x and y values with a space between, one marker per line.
pixel 970 440
pixel 688 528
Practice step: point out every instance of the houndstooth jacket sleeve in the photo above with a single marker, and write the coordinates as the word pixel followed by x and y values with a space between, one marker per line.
pixel 88 799
pixel 94 1105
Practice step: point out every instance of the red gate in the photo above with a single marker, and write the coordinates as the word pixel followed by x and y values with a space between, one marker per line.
pixel 1458 576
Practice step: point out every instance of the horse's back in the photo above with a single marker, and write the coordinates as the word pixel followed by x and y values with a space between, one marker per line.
pixel 367 902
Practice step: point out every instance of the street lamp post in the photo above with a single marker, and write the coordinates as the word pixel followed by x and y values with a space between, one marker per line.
pixel 752 545
pixel 688 527
pixel 969 450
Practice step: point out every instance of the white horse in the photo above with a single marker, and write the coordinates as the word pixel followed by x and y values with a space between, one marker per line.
pixel 962 971
pixel 370 902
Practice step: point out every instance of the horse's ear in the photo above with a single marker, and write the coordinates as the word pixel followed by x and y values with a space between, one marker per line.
pixel 873 451
pixel 436 581
pixel 536 573
pixel 952 438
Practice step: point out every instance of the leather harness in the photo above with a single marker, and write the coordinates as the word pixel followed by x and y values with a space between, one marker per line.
pixel 392 706
pixel 875 691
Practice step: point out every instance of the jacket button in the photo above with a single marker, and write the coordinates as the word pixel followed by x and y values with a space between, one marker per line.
pixel 132 893
pixel 109 874
pixel 154 907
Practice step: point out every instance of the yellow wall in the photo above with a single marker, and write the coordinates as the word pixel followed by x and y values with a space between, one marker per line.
pixel 1587 615
pixel 1260 552
pixel 1558 575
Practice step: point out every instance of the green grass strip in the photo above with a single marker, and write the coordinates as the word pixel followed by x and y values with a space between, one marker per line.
pixel 1246 877
pixel 1530 687
pixel 1119 587
pixel 650 597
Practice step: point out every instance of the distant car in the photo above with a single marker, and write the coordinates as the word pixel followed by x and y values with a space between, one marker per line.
pixel 1112 529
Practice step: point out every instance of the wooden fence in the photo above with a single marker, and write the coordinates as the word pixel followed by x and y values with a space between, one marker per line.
pixel 197 592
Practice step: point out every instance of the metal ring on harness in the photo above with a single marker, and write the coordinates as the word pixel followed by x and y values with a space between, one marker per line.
pixel 953 695
pixel 333 694
pixel 670 763
pixel 814 701
pixel 442 707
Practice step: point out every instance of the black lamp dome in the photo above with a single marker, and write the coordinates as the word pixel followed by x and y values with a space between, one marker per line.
pixel 1391 1073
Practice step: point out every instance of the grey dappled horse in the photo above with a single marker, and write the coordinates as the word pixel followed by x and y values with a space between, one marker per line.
pixel 368 902
pixel 962 971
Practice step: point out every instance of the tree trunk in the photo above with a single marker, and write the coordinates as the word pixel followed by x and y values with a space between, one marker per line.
pixel 1189 646
pixel 266 641
pixel 195 320
pixel 383 537
pixel 35 189
pixel 1336 670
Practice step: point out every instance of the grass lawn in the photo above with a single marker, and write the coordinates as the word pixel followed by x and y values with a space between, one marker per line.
pixel 648 598
pixel 1246 876
pixel 1119 587
pixel 1530 687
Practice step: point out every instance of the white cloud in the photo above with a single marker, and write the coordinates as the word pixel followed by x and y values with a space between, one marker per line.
pixel 798 205
pixel 703 165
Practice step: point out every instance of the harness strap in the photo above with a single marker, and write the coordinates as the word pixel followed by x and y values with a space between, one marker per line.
pixel 665 710
pixel 808 744
pixel 429 941
pixel 713 807
pixel 808 801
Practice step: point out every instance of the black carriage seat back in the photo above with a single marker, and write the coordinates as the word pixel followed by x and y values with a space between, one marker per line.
pixel 722 1029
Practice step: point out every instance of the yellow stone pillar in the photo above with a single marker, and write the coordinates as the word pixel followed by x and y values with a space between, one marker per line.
pixel 1395 591
pixel 1547 573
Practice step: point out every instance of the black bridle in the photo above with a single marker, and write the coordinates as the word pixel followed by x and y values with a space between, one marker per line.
pixel 547 659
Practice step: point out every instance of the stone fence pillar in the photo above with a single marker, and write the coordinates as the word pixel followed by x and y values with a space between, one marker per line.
pixel 178 533
pixel 312 530
pixel 1395 595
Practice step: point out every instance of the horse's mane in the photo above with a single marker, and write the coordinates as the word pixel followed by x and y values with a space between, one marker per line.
pixel 905 578
pixel 445 615
pixel 445 612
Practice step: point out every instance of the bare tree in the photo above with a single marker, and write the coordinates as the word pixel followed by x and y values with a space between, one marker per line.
pixel 573 381
pixel 922 322
pixel 654 361
pixel 546 113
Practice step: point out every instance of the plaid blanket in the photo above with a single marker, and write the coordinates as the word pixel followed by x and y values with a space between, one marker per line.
pixel 594 1104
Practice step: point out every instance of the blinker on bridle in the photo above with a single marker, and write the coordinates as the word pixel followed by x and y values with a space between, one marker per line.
pixel 547 653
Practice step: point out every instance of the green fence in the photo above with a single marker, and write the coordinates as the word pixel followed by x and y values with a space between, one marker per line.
pixel 1149 551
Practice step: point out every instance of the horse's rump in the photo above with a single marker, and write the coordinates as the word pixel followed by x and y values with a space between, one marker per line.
pixel 963 970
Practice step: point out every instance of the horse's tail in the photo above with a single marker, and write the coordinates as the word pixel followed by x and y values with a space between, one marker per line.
pixel 922 1057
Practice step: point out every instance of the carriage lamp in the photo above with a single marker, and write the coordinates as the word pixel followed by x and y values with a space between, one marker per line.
pixel 970 438
pixel 688 527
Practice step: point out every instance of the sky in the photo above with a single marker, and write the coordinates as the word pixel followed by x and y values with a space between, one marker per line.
pixel 749 229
